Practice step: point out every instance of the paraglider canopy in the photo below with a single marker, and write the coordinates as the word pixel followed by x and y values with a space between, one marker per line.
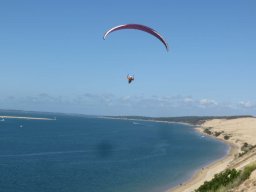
pixel 138 27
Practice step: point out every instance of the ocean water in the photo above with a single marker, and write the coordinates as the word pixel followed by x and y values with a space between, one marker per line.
pixel 89 154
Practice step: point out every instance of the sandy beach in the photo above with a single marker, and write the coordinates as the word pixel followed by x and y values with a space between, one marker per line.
pixel 235 132
pixel 28 118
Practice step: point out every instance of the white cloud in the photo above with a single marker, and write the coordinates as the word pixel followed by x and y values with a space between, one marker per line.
pixel 109 104
pixel 247 104
pixel 188 100
pixel 208 102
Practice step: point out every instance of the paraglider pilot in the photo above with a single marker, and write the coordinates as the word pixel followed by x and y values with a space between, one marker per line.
pixel 130 78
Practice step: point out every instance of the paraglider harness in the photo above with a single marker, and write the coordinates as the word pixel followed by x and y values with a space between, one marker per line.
pixel 130 78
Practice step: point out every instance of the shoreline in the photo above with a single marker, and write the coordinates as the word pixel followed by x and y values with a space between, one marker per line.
pixel 239 132
pixel 27 118
pixel 208 171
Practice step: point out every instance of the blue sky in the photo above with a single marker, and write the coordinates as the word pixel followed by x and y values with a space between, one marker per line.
pixel 53 57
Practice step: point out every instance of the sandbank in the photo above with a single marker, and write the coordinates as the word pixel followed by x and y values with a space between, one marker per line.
pixel 28 118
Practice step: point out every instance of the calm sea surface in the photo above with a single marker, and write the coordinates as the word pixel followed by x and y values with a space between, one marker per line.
pixel 88 154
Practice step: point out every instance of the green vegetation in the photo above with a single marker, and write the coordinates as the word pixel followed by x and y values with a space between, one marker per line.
pixel 222 179
pixel 217 133
pixel 207 131
pixel 246 148
pixel 227 180
pixel 247 171
pixel 226 137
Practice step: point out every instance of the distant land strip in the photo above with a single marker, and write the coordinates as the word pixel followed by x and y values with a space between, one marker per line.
pixel 193 120
pixel 28 118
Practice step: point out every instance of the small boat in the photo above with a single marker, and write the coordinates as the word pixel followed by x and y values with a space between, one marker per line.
pixel 21 126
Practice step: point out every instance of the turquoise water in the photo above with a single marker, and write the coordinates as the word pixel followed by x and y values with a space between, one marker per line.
pixel 88 154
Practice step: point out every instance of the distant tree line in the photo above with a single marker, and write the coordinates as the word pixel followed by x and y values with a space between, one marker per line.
pixel 194 120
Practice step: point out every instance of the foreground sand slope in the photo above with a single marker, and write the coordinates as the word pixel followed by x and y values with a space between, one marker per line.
pixel 249 185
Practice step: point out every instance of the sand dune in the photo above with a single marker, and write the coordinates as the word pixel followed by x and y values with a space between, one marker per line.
pixel 238 132
pixel 241 130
